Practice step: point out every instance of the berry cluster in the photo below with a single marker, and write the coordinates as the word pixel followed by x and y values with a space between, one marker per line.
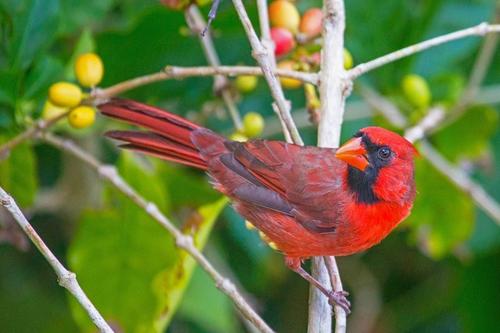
pixel 296 39
pixel 66 96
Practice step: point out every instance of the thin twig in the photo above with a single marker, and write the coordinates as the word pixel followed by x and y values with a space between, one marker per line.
pixel 332 97
pixel 176 72
pixel 65 278
pixel 261 55
pixel 221 84
pixel 265 30
pixel 478 30
pixel 183 241
pixel 30 132
pixel 333 272
pixel 479 71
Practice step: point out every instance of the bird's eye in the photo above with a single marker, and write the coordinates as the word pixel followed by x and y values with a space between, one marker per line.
pixel 384 153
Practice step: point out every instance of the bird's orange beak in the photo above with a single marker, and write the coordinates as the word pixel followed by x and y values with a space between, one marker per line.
pixel 353 153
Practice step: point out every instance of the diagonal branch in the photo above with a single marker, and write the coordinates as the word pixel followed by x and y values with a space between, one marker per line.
pixel 221 85
pixel 478 30
pixel 261 55
pixel 65 278
pixel 185 242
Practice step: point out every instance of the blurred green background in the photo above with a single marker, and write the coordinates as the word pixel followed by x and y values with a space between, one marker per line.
pixel 438 272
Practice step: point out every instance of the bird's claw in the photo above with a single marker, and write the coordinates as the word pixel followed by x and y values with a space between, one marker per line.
pixel 340 298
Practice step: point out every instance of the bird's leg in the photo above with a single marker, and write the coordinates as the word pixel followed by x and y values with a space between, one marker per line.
pixel 334 297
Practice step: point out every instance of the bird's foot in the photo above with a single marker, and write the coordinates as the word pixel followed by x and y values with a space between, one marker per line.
pixel 340 298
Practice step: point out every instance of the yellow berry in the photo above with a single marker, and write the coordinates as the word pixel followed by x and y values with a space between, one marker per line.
pixel 65 94
pixel 286 82
pixel 284 14
pixel 253 124
pixel 89 69
pixel 246 83
pixel 348 62
pixel 238 137
pixel 81 117
pixel 416 90
pixel 51 111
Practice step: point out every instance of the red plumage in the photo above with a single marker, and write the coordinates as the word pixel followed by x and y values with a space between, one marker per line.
pixel 308 201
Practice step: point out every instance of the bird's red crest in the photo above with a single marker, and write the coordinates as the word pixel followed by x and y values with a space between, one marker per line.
pixel 381 136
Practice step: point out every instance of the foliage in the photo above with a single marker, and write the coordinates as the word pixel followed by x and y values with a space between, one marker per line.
pixel 129 265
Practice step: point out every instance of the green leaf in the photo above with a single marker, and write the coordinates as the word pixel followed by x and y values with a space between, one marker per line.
pixel 8 87
pixel 191 187
pixel 35 25
pixel 127 263
pixel 44 73
pixel 468 136
pixel 118 251
pixel 171 284
pixel 18 174
pixel 218 313
pixel 78 14
pixel 443 215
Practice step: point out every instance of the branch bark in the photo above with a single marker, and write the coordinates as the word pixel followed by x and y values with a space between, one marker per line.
pixel 221 85
pixel 332 97
pixel 185 242
pixel 262 56
pixel 478 30
pixel 176 72
pixel 65 278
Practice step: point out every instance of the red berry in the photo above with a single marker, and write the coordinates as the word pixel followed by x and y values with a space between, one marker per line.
pixel 283 41
pixel 311 22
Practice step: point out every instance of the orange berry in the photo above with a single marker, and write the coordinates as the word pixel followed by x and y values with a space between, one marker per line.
pixel 311 22
pixel 284 14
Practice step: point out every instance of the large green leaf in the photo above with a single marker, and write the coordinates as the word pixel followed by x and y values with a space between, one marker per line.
pixel 443 215
pixel 128 263
pixel 218 312
pixel 18 174
pixel 44 73
pixel 118 251
pixel 35 24
pixel 79 14
pixel 469 136
pixel 172 283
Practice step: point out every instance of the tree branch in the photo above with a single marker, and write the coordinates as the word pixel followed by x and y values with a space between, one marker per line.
pixel 176 72
pixel 261 55
pixel 65 278
pixel 221 84
pixel 478 30
pixel 332 97
pixel 185 242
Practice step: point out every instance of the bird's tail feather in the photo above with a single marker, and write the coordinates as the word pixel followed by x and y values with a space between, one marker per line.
pixel 169 136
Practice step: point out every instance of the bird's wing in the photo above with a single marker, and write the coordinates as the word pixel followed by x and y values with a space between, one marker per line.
pixel 307 178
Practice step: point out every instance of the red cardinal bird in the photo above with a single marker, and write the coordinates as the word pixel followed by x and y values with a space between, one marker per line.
pixel 308 201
